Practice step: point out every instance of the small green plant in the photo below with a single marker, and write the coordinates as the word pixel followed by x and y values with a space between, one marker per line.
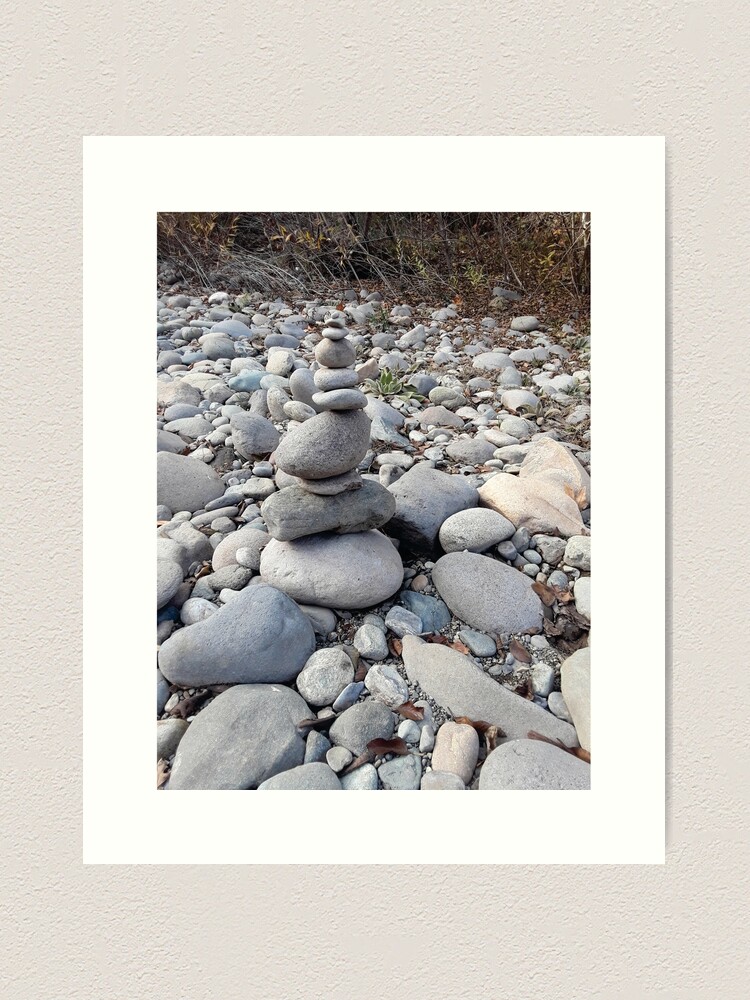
pixel 475 275
pixel 380 319
pixel 389 384
pixel 578 390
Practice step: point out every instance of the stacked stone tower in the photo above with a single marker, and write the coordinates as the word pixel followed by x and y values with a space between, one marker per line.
pixel 325 548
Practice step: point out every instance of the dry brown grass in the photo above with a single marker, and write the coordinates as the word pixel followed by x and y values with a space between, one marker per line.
pixel 441 255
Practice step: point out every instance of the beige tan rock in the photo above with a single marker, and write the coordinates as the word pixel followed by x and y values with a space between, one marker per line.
pixel 575 681
pixel 534 503
pixel 553 462
pixel 201 380
pixel 456 750
pixel 369 369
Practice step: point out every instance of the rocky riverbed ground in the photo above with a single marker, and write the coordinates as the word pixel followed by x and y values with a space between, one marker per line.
pixel 474 673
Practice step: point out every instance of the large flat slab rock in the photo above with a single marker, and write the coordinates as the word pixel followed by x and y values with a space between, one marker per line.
pixel 462 688
pixel 185 483
pixel 294 512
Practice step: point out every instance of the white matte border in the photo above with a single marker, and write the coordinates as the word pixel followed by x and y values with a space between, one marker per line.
pixel 127 180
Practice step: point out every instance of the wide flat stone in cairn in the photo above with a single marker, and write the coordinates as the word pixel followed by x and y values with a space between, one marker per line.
pixel 293 512
pixel 335 326
pixel 340 399
pixel 322 495
pixel 333 485
pixel 334 333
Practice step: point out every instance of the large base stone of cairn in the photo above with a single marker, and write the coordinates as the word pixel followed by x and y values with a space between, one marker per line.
pixel 334 571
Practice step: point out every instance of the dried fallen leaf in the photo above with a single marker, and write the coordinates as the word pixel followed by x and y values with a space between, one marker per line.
pixel 553 628
pixel 456 644
pixel 525 689
pixel 575 618
pixel 492 734
pixel 436 637
pixel 575 751
pixel 395 645
pixel 315 723
pixel 396 745
pixel 190 705
pixel 568 646
pixel 491 738
pixel 410 711
pixel 162 772
pixel 519 651
pixel 545 594
pixel 464 720
pixel 364 758
pixel 361 671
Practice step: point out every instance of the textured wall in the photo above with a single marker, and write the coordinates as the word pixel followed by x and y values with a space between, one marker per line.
pixel 71 69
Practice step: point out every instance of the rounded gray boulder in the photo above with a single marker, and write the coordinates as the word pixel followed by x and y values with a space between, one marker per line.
pixel 245 736
pixel 247 537
pixel 365 721
pixel 533 765
pixel 476 529
pixel 260 636
pixel 168 580
pixel 425 498
pixel 253 434
pixel 307 777
pixel 185 483
pixel 325 675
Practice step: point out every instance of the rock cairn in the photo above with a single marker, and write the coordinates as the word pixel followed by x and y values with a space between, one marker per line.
pixel 325 548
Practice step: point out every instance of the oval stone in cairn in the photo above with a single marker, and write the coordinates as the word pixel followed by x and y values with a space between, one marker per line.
pixel 327 444
pixel 335 353
pixel 335 328
pixel 318 462
pixel 335 378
